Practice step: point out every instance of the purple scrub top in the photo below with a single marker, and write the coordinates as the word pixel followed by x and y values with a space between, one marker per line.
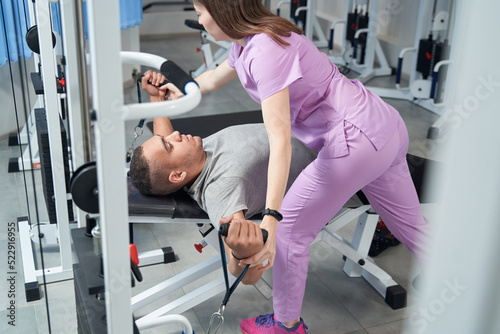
pixel 322 99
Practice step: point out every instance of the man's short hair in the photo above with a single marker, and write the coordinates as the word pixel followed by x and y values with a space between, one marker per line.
pixel 140 172
pixel 144 174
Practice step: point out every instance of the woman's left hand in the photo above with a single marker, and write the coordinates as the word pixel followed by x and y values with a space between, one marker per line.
pixel 173 92
pixel 268 252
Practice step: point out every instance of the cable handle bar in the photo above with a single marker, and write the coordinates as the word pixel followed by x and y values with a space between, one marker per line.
pixel 224 230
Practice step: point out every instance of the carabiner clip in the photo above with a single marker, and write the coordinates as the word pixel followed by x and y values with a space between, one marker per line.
pixel 220 315
pixel 137 133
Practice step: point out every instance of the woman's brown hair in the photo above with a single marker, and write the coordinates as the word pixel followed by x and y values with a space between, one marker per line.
pixel 240 18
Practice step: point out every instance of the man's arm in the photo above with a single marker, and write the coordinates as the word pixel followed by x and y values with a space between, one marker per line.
pixel 151 82
pixel 162 126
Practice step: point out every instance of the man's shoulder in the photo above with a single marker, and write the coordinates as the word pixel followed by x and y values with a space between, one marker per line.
pixel 238 128
pixel 226 190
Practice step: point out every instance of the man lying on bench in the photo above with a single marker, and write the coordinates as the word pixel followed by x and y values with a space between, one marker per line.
pixel 223 173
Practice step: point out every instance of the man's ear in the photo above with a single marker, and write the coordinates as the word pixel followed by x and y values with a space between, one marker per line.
pixel 177 176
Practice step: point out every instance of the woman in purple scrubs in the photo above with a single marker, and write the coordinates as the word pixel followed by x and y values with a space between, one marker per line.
pixel 361 143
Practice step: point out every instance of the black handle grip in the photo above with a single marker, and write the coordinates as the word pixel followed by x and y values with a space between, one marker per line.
pixel 224 229
pixel 176 75
pixel 135 270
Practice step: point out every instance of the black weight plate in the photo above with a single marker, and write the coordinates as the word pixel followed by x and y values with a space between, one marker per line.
pixel 83 188
pixel 32 39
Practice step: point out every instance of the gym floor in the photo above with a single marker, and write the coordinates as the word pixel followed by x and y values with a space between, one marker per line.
pixel 334 303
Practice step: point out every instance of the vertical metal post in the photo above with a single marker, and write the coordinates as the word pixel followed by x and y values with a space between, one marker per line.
pixel 310 17
pixel 349 4
pixel 53 111
pixel 74 81
pixel 423 8
pixel 371 37
pixel 109 133
pixel 84 90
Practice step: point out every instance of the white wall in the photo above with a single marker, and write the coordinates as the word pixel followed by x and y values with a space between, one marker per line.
pixel 130 42
pixel 12 100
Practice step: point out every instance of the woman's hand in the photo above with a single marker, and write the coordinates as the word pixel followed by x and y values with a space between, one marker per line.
pixel 268 252
pixel 151 82
pixel 173 92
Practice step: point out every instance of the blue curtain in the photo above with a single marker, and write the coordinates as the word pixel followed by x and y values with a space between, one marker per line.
pixel 15 22
pixel 56 18
pixel 130 13
pixel 13 27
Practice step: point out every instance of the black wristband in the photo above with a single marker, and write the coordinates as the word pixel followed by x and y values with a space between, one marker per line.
pixel 236 258
pixel 276 214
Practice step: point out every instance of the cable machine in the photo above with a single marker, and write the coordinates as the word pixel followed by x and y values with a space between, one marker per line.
pixel 427 59
pixel 47 112
pixel 302 12
pixel 361 51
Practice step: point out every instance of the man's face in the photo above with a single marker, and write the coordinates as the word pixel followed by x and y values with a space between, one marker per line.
pixel 174 151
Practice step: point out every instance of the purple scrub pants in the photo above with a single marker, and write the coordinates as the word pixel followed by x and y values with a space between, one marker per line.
pixel 319 193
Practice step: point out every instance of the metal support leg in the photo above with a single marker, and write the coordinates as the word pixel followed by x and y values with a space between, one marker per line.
pixel 30 280
pixel 361 242
pixel 358 264
pixel 33 276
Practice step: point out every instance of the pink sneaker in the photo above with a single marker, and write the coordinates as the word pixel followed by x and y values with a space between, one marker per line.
pixel 267 324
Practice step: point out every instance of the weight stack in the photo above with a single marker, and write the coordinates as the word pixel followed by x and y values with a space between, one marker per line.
pixel 46 167
pixel 429 54
pixel 355 22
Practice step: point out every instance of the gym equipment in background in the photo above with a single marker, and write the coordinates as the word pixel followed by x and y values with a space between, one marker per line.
pixel 302 13
pixel 431 46
pixel 52 140
pixel 361 51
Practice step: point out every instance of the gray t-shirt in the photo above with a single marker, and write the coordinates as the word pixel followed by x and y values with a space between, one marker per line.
pixel 235 174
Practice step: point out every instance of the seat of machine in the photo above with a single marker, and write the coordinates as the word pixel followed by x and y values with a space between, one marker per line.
pixel 176 205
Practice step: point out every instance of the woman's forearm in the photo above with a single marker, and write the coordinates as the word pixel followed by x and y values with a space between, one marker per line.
pixel 276 114
pixel 278 169
pixel 212 80
pixel 205 83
